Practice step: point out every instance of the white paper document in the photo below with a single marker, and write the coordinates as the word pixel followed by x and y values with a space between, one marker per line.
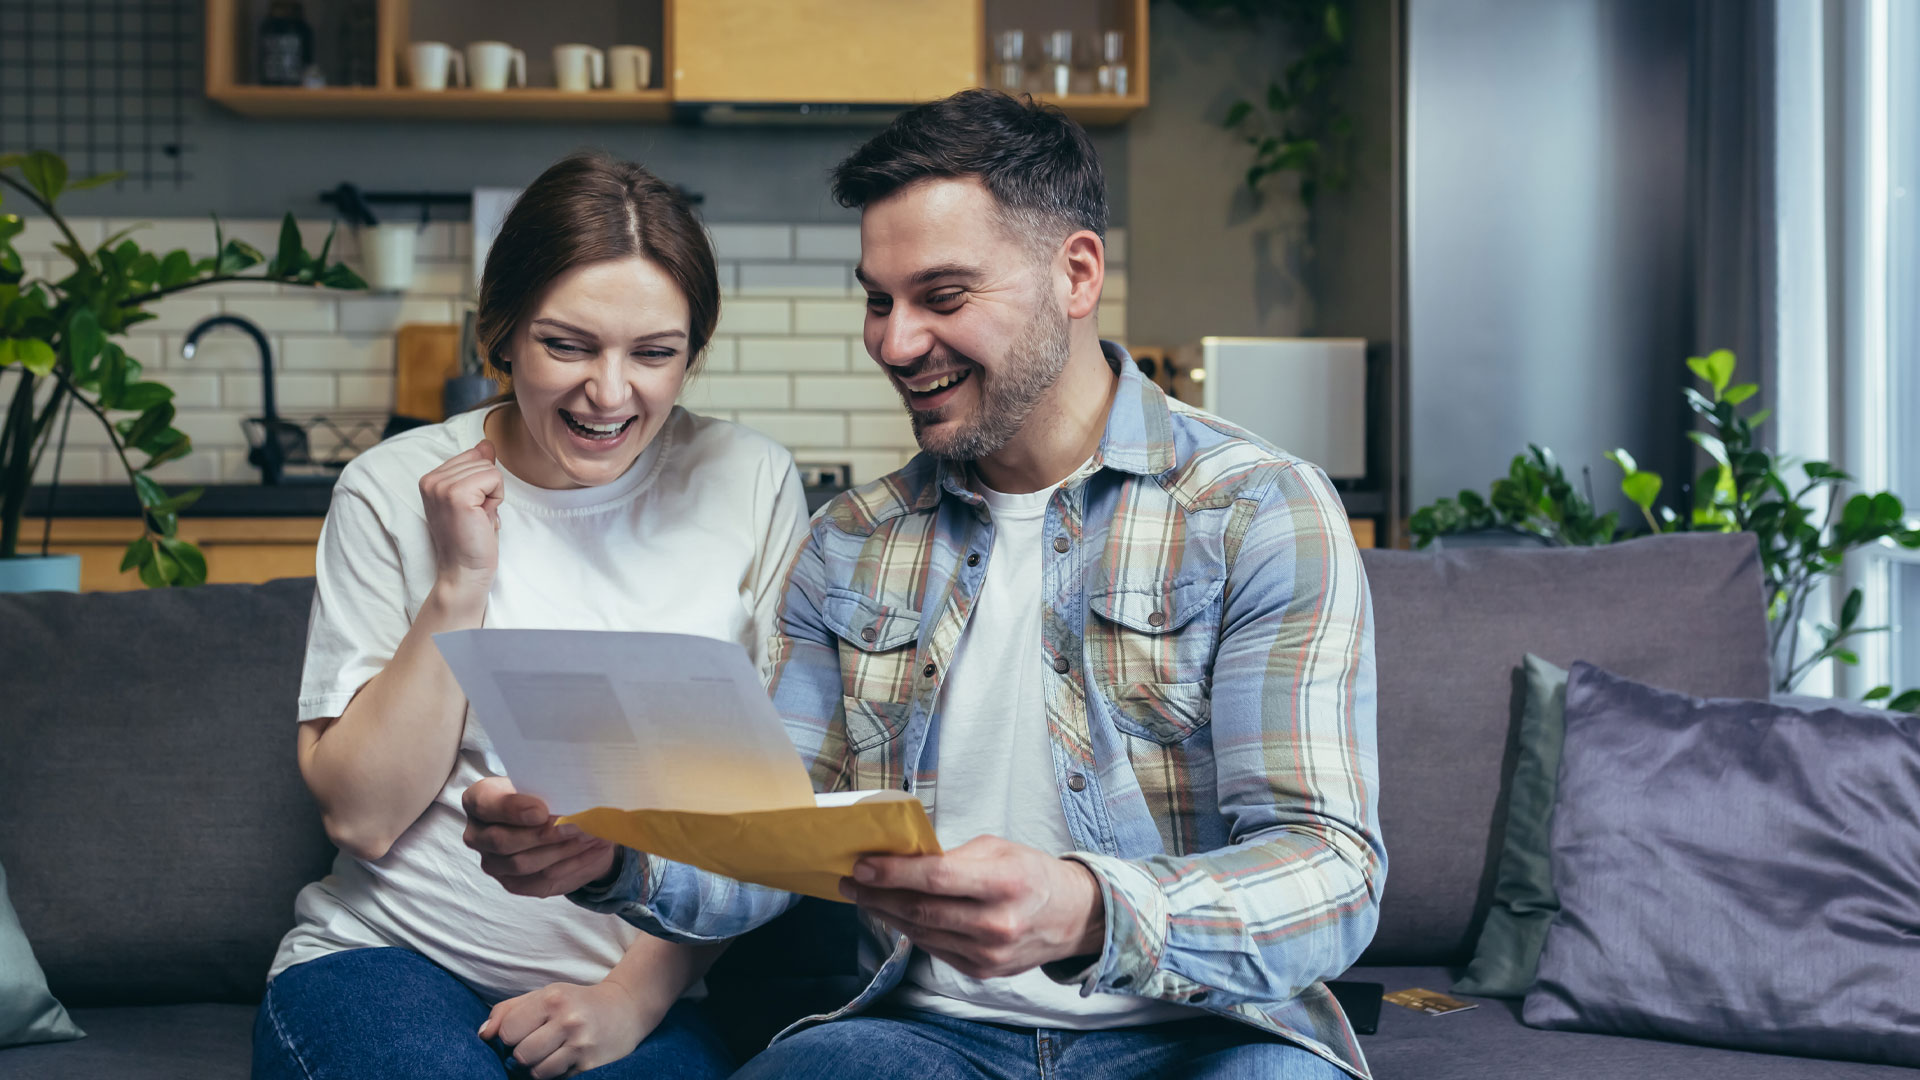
pixel 634 721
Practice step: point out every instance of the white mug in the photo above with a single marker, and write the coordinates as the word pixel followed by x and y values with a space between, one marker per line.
pixel 490 62
pixel 578 68
pixel 386 253
pixel 631 67
pixel 427 65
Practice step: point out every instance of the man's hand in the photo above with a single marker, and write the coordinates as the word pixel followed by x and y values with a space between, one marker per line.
pixel 989 907
pixel 562 1029
pixel 522 847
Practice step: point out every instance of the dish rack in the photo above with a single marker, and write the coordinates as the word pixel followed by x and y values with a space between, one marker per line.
pixel 315 448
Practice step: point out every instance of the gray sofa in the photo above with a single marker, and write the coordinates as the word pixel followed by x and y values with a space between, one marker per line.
pixel 154 828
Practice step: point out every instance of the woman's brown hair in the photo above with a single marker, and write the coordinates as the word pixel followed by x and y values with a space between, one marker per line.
pixel 590 207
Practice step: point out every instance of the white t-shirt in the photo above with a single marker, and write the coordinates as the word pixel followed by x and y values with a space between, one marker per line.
pixel 693 539
pixel 997 778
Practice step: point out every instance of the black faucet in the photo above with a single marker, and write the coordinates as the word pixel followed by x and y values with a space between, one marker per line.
pixel 274 449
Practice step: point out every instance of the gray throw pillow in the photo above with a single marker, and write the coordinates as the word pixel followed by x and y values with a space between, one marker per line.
pixel 1524 904
pixel 1736 873
pixel 28 1012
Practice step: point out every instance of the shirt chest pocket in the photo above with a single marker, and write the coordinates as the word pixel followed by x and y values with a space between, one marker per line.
pixel 877 654
pixel 1150 649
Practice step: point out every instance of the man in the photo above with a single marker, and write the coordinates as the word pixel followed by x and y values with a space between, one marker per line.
pixel 1120 648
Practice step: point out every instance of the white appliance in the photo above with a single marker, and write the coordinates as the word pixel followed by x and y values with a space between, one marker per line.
pixel 1308 396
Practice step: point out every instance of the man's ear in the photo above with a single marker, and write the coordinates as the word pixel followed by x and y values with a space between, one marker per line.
pixel 1085 257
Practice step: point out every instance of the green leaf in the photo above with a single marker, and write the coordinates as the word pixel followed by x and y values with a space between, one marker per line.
pixel 149 424
pixel 149 491
pixel 1643 488
pixel 1908 702
pixel 45 173
pixel 84 339
pixel 176 269
pixel 192 564
pixel 1858 511
pixel 341 276
pixel 1720 366
pixel 1331 22
pixel 1820 470
pixel 1887 509
pixel 183 500
pixel 139 554
pixel 143 396
pixel 1712 445
pixel 292 256
pixel 1850 610
pixel 35 355
pixel 1759 418
pixel 1239 111
pixel 1878 693
pixel 98 180
pixel 237 255
pixel 1624 460
pixel 1737 394
pixel 169 445
pixel 1277 99
pixel 1847 656
pixel 160 570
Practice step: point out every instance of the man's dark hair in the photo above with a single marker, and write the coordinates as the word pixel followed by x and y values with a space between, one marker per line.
pixel 1040 167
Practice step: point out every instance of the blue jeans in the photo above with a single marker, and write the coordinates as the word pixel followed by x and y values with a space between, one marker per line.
pixel 896 1041
pixel 367 1014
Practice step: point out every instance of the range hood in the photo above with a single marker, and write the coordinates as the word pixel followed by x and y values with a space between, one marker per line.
pixel 820 61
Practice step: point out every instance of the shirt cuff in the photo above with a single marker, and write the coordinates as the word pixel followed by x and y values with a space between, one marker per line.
pixel 633 882
pixel 1136 916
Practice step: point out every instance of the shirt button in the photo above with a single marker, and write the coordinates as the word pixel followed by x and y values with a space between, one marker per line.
pixel 927 671
pixel 1061 545
pixel 1158 618
pixel 868 634
pixel 973 559
pixel 1076 782
pixel 1061 664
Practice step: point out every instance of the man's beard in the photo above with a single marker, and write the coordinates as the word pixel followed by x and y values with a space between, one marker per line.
pixel 1007 398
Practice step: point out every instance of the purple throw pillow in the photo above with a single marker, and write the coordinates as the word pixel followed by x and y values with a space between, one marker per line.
pixel 1736 873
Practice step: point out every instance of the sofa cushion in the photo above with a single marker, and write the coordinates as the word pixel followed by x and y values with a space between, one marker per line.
pixel 28 1013
pixel 157 827
pixel 152 1042
pixel 1735 872
pixel 1490 1043
pixel 1681 611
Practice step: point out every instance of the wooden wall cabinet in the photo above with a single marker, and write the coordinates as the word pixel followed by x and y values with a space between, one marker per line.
pixel 748 52
pixel 239 551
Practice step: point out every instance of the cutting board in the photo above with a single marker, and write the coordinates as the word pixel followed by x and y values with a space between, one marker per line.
pixel 425 356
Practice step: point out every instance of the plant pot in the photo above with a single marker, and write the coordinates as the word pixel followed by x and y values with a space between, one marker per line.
pixel 40 573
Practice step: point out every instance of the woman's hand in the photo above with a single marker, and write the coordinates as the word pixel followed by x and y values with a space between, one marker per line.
pixel 462 499
pixel 562 1029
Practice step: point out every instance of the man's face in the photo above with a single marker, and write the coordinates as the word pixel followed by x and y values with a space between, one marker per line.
pixel 961 315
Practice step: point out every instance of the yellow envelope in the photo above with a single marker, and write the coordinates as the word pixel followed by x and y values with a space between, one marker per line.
pixel 806 849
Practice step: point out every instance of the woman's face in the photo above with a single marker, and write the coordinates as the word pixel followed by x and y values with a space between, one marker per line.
pixel 596 370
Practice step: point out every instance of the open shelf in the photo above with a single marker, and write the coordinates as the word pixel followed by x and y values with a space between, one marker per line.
pixel 363 102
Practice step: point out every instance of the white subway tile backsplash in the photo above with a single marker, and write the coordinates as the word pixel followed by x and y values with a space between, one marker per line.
pixel 1116 247
pixel 194 391
pixel 725 391
pixel 752 241
pixel 39 236
pixel 367 314
pixel 214 427
pixel 366 392
pixel 837 242
pixel 795 279
pixel 865 465
pixel 149 349
pixel 875 429
pixel 450 279
pixel 793 354
pixel 293 394
pixel 336 352
pixel 1116 287
pixel 829 316
pixel 79 465
pixel 200 467
pixel 282 313
pixel 799 428
pixel 1113 321
pixel 723 354
pixel 871 391
pixel 729 277
pixel 756 317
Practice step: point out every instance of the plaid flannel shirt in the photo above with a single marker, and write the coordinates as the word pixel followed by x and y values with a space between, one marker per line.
pixel 1212 715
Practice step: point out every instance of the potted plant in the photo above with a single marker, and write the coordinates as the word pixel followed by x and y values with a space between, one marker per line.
pixel 57 340
pixel 1799 513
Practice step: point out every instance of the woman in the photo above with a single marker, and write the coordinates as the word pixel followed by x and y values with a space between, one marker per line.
pixel 585 500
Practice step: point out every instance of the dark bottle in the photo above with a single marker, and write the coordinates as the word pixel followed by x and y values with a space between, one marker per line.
pixel 286 44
